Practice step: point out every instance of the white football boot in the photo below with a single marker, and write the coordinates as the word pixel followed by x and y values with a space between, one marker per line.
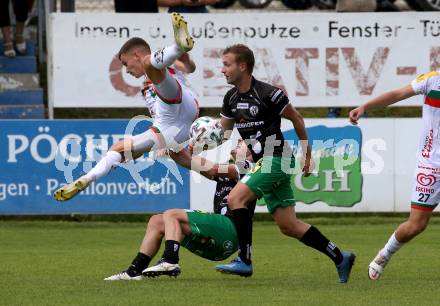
pixel 162 268
pixel 123 276
pixel 375 268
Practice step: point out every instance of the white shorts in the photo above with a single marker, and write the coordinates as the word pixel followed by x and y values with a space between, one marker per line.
pixel 174 120
pixel 426 188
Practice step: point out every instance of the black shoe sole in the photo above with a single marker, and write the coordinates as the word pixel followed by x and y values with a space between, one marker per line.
pixel 153 274
pixel 239 274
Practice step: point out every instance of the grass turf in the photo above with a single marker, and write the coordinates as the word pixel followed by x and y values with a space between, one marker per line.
pixel 57 263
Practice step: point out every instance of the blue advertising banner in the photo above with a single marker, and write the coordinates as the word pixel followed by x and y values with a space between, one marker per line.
pixel 38 156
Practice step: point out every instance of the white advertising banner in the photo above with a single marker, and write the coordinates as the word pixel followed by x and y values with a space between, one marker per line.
pixel 379 180
pixel 320 59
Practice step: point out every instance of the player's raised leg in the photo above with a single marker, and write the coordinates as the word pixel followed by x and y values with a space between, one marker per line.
pixel 167 87
pixel 127 149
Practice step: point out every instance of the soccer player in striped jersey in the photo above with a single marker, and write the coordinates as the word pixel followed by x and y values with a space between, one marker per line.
pixel 426 187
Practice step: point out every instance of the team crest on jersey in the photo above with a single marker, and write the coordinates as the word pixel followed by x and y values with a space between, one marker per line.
pixel 254 110
pixel 227 245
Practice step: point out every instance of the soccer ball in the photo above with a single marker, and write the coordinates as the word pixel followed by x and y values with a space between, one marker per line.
pixel 206 133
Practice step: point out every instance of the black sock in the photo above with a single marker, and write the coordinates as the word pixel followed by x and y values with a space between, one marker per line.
pixel 243 225
pixel 139 263
pixel 313 238
pixel 171 253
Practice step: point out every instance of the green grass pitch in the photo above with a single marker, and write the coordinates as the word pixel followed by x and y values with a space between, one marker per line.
pixel 64 263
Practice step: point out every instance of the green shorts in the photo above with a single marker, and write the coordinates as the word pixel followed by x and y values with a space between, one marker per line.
pixel 213 236
pixel 270 182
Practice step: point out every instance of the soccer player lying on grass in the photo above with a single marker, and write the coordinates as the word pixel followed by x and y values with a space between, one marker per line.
pixel 211 236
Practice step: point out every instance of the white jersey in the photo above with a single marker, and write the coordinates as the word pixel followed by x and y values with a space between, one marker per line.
pixel 172 118
pixel 150 95
pixel 426 187
pixel 428 84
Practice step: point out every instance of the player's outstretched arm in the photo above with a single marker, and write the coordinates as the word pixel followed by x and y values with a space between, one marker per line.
pixel 298 123
pixel 383 100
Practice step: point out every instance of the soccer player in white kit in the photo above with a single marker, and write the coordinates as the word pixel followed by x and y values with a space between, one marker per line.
pixel 173 112
pixel 426 189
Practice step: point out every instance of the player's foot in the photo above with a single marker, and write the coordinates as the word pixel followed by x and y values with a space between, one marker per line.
pixel 236 266
pixel 344 268
pixel 375 268
pixel 162 268
pixel 123 276
pixel 70 190
pixel 181 34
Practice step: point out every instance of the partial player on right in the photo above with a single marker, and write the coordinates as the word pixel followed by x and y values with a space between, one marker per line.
pixel 426 192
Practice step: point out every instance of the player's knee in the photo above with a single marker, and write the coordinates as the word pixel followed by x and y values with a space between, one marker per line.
pixel 156 224
pixel 155 220
pixel 172 213
pixel 119 146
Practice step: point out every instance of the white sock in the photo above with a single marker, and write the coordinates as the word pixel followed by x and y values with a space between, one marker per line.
pixel 165 57
pixel 392 246
pixel 104 166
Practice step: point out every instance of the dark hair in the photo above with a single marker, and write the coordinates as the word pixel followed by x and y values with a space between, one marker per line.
pixel 242 55
pixel 134 43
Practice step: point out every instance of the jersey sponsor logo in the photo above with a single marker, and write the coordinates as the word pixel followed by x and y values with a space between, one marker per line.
pixel 424 189
pixel 242 125
pixel 426 179
pixel 242 105
pixel 254 110
pixel 427 147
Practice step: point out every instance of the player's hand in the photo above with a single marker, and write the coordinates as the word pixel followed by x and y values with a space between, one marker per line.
pixel 184 58
pixel 307 165
pixel 161 153
pixel 355 114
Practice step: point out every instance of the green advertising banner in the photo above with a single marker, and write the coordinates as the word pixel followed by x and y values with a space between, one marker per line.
pixel 337 178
